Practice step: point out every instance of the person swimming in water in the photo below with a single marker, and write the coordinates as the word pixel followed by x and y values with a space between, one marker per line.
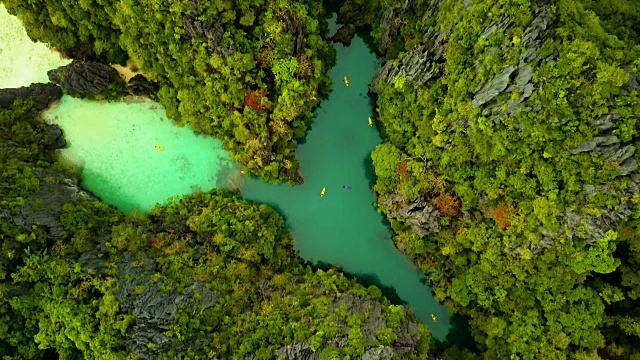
pixel 346 187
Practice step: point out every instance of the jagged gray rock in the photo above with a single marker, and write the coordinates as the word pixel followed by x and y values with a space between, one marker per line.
pixel 297 351
pixel 141 86
pixel 344 35
pixel 596 141
pixel 420 65
pixel 423 217
pixel 389 23
pixel 407 332
pixel 198 29
pixel 43 208
pixel 154 308
pixel 87 79
pixel 379 353
pixel 42 95
pixel 494 87
pixel 55 137
pixel 350 13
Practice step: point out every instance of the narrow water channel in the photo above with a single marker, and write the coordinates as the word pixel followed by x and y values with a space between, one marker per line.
pixel 115 146
pixel 343 228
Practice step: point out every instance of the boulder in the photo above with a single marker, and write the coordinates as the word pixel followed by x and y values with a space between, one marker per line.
pixel 423 217
pixel 351 13
pixel 55 138
pixel 344 35
pixel 141 86
pixel 42 95
pixel 88 79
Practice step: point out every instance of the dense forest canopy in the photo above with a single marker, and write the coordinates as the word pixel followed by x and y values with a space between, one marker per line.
pixel 509 173
pixel 247 72
pixel 509 168
pixel 206 277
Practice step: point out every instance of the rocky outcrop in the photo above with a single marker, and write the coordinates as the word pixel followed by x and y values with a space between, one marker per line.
pixel 55 138
pixel 515 79
pixel 379 353
pixel 422 216
pixel 208 30
pixel 43 208
pixel 344 35
pixel 153 307
pixel 141 86
pixel 350 13
pixel 42 95
pixel 88 79
pixel 390 21
pixel 408 334
pixel 420 65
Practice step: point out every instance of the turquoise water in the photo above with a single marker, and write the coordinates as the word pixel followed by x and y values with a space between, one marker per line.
pixel 343 228
pixel 115 146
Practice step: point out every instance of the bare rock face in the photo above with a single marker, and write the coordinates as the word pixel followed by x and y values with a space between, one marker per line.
pixel 379 353
pixel 423 217
pixel 43 208
pixel 154 308
pixel 55 138
pixel 141 86
pixel 350 13
pixel 209 30
pixel 88 79
pixel 407 332
pixel 42 95
pixel 344 35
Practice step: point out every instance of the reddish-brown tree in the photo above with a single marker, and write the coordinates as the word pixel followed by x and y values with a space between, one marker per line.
pixel 402 170
pixel 501 215
pixel 448 205
pixel 254 100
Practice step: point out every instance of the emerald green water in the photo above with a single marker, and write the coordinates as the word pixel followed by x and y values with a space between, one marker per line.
pixel 113 143
pixel 343 228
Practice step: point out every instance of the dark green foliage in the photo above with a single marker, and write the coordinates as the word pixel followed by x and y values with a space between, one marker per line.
pixel 208 276
pixel 526 113
pixel 79 29
pixel 246 72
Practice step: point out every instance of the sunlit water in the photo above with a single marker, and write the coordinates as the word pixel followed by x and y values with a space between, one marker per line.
pixel 133 157
pixel 22 61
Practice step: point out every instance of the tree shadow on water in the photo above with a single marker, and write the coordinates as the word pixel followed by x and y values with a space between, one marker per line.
pixel 369 172
pixel 459 335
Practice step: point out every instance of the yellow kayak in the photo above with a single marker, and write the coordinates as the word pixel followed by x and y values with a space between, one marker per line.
pixel 324 189
pixel 370 122
pixel 158 147
pixel 434 318
pixel 346 81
